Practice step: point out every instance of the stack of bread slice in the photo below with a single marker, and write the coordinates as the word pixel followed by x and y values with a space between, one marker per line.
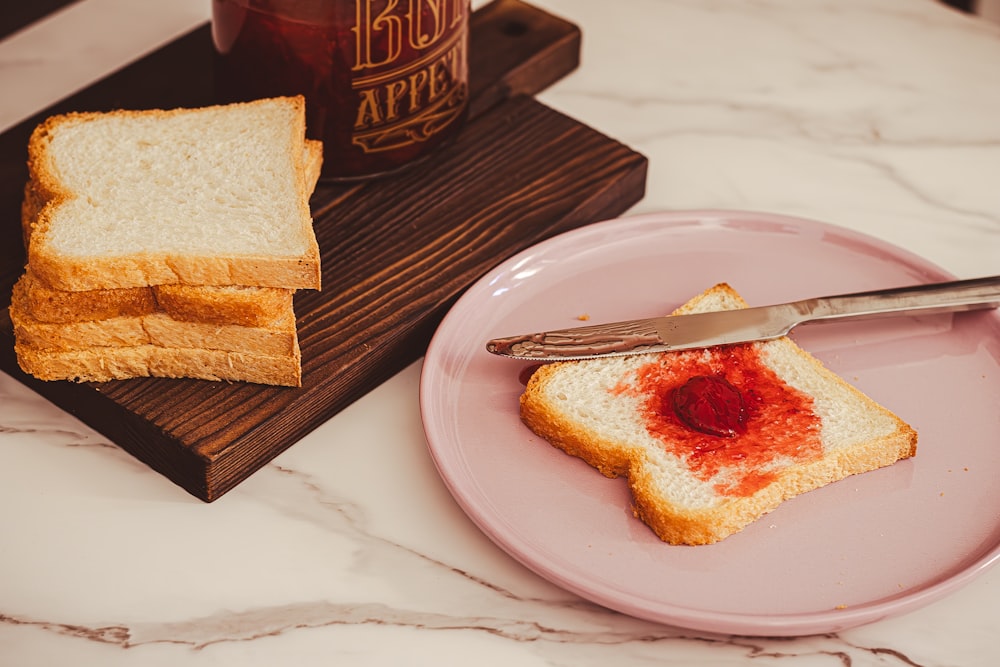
pixel 168 243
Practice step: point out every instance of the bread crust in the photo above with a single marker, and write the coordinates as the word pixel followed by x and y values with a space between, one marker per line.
pixel 677 524
pixel 276 339
pixel 56 306
pixel 210 304
pixel 246 306
pixel 103 364
pixel 70 273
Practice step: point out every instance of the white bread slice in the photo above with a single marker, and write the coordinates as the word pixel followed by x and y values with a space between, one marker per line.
pixel 599 410
pixel 213 304
pixel 156 329
pixel 210 196
pixel 277 337
pixel 102 364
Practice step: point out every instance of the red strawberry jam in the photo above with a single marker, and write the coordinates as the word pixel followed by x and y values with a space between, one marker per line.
pixel 727 415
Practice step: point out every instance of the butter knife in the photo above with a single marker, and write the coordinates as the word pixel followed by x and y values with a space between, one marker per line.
pixel 682 332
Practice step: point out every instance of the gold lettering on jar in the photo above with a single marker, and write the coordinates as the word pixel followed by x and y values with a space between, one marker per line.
pixel 398 106
pixel 426 27
pixel 372 27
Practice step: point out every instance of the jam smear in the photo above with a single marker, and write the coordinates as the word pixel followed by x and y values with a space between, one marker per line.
pixel 776 424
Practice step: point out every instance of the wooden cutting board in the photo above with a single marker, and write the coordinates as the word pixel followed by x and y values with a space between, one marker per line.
pixel 396 252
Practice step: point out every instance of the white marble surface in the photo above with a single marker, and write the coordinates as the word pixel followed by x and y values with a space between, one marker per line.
pixel 878 115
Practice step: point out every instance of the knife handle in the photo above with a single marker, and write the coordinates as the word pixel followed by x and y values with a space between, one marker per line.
pixel 956 295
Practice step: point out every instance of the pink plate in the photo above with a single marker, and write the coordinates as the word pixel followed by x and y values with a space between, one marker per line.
pixel 856 551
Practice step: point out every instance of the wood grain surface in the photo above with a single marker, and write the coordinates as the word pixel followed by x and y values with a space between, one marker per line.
pixel 396 252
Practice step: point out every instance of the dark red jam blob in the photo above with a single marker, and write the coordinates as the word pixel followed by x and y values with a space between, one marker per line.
pixel 710 404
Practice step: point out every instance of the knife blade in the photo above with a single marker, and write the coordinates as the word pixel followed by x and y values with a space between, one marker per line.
pixel 682 332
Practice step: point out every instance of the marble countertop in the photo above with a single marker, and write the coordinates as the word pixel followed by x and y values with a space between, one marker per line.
pixel 881 116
